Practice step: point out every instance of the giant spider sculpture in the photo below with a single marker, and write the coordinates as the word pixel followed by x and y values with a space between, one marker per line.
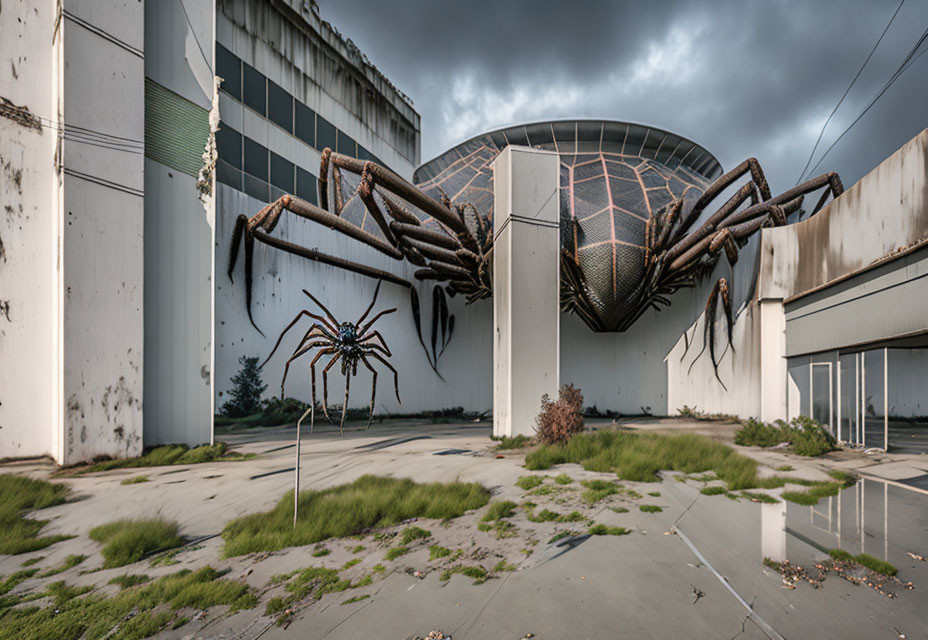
pixel 348 343
pixel 635 221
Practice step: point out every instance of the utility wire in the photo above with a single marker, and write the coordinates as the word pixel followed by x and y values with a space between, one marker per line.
pixel 907 62
pixel 846 91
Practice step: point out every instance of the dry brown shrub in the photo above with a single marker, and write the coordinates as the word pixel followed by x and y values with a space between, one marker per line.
pixel 560 419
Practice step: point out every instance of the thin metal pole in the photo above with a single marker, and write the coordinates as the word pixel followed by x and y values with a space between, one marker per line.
pixel 863 402
pixel 838 354
pixel 296 483
pixel 885 399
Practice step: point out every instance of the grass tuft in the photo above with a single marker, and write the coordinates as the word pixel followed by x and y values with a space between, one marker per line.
pixel 654 494
pixel 639 456
pixel 479 574
pixel 603 530
pixel 366 503
pixel 437 551
pixel 515 442
pixel 805 436
pixel 499 510
pixel 759 497
pixel 139 612
pixel 529 482
pixel 563 478
pixel 597 490
pixel 396 552
pixel 650 508
pixel 128 541
pixel 415 533
pixel 69 562
pixel 171 455
pixel 18 496
pixel 714 490
pixel 864 559
pixel 503 566
pixel 135 480
pixel 129 580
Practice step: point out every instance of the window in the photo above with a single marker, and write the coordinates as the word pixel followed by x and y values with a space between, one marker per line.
pixel 347 145
pixel 305 185
pixel 255 159
pixel 364 154
pixel 254 88
pixel 305 124
pixel 229 68
pixel 325 134
pixel 281 173
pixel 279 107
pixel 229 145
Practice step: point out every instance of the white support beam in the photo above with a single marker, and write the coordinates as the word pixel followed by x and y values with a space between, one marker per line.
pixel 526 287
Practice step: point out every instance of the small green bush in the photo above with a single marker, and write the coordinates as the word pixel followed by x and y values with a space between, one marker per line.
pixel 650 508
pixel 562 418
pixel 128 541
pixel 437 551
pixel 597 490
pixel 563 479
pixel 806 436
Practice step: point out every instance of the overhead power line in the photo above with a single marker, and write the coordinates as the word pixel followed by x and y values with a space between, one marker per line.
pixel 848 90
pixel 907 62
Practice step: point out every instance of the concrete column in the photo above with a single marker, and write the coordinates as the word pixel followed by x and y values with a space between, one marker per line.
pixel 773 371
pixel 526 286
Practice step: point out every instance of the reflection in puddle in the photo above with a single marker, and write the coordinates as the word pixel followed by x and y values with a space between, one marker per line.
pixel 872 517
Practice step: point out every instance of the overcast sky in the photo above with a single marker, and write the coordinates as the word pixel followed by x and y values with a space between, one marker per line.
pixel 741 78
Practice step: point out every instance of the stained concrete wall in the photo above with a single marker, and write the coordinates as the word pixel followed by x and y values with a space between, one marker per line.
pixel 101 239
pixel 72 348
pixel 29 224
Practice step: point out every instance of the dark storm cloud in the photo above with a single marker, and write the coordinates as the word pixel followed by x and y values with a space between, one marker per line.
pixel 739 78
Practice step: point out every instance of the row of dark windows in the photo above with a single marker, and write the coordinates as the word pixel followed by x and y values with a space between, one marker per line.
pixel 250 87
pixel 251 167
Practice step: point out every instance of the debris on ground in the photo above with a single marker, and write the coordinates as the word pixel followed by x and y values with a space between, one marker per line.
pixel 850 571
pixel 697 594
pixel 916 556
pixel 433 635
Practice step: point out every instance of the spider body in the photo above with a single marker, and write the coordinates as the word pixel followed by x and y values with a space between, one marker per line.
pixel 637 221
pixel 348 343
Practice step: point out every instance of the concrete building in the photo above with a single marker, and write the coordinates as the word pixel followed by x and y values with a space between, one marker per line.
pixel 110 121
pixel 126 161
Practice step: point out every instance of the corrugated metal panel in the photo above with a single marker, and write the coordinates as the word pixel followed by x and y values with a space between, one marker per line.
pixel 176 130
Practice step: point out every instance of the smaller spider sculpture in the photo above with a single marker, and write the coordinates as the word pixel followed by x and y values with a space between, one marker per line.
pixel 348 342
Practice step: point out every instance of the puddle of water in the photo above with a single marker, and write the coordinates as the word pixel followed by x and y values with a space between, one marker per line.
pixel 872 517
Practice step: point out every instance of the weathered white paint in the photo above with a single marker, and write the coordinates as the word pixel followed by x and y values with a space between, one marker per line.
pixel 526 286
pixel 28 234
pixel 102 228
pixel 773 385
pixel 884 212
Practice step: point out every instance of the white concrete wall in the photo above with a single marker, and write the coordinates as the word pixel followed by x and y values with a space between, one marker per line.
pixel 279 278
pixel 102 228
pixel 179 241
pixel 526 286
pixel 28 233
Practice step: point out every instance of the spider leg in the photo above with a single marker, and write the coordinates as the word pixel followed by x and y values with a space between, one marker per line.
pixel 290 326
pixel 297 354
pixel 751 165
pixel 370 322
pixel 370 415
pixel 370 306
pixel 720 290
pixel 396 380
pixel 325 386
pixel 368 339
pixel 341 425
pixel 323 307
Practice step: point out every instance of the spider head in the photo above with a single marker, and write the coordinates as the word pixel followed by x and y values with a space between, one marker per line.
pixel 348 333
